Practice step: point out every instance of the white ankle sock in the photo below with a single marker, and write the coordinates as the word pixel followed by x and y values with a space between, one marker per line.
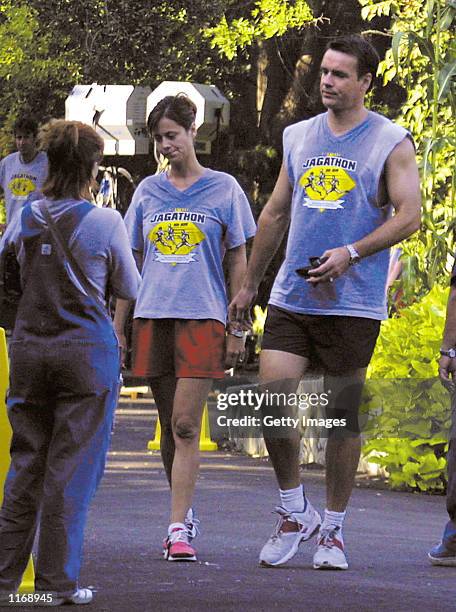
pixel 174 526
pixel 333 519
pixel 293 500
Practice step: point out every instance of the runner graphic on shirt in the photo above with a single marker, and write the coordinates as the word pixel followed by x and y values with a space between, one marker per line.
pixel 335 185
pixel 184 240
pixel 160 238
pixel 321 184
pixel 175 240
pixel 310 181
pixel 326 178
pixel 170 234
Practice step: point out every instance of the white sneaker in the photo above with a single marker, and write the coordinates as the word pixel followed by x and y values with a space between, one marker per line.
pixel 192 524
pixel 79 597
pixel 292 528
pixel 330 550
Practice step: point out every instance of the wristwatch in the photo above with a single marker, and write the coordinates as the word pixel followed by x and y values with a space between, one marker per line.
pixel 448 353
pixel 354 255
pixel 238 333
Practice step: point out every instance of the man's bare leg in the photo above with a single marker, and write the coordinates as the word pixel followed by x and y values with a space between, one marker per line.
pixel 342 453
pixel 281 372
pixel 342 458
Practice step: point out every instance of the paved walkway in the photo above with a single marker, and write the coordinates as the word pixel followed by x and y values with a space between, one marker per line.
pixel 387 536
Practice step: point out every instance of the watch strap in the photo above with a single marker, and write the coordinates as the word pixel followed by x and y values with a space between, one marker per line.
pixel 354 255
pixel 448 352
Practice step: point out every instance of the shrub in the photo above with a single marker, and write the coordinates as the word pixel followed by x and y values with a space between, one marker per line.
pixel 408 407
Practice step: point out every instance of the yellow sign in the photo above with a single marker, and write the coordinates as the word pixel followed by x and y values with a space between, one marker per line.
pixel 28 580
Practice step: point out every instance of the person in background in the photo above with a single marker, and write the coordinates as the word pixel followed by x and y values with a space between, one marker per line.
pixel 444 553
pixel 22 174
pixel 64 366
pixel 183 225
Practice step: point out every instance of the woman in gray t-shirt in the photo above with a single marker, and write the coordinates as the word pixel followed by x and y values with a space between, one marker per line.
pixel 183 225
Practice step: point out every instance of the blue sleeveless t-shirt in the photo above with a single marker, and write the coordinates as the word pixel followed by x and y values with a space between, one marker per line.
pixel 335 183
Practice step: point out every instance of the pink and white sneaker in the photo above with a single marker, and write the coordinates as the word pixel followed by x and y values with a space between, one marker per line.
pixel 177 548
pixel 330 552
pixel 192 525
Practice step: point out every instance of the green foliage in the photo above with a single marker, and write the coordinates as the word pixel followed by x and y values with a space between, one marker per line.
pixel 410 463
pixel 422 59
pixel 46 46
pixel 16 34
pixel 409 407
pixel 132 41
pixel 267 19
pixel 27 70
pixel 408 343
pixel 370 10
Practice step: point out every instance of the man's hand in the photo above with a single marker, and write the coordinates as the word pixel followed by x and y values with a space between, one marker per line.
pixel 239 309
pixel 447 368
pixel 337 263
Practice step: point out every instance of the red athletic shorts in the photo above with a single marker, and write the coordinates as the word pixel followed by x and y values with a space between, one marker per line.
pixel 186 348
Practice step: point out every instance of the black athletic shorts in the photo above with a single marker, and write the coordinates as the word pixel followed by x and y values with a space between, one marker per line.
pixel 336 344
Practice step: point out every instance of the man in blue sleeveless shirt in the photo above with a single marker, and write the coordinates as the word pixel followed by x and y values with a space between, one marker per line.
pixel 344 172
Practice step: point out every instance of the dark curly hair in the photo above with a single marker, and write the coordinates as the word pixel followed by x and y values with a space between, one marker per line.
pixel 26 124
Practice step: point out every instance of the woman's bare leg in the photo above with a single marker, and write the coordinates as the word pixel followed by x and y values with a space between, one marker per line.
pixel 189 399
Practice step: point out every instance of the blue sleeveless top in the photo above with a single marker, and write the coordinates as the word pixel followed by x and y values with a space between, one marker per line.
pixel 335 183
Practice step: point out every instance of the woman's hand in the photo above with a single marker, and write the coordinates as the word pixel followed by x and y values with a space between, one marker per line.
pixel 235 348
pixel 120 320
pixel 122 340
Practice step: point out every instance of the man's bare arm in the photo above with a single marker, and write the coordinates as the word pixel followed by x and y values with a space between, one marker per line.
pixel 403 188
pixel 272 225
